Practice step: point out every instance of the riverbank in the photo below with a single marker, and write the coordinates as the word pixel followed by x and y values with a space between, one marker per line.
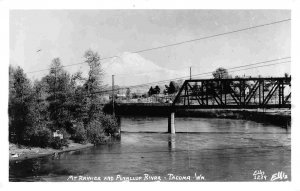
pixel 279 117
pixel 21 152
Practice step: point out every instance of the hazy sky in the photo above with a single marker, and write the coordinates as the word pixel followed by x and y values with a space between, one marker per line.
pixel 67 34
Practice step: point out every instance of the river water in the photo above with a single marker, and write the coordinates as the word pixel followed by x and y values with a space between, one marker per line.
pixel 213 149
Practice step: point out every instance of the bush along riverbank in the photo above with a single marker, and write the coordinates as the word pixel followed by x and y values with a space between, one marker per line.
pixel 59 108
pixel 106 130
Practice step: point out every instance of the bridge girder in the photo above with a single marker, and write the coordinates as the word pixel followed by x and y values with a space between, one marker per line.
pixel 235 92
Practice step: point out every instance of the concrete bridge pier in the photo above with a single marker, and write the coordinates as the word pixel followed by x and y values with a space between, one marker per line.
pixel 171 123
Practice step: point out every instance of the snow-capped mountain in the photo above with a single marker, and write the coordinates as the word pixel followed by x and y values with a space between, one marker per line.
pixel 132 69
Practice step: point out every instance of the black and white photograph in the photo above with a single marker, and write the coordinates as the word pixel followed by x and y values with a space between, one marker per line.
pixel 149 95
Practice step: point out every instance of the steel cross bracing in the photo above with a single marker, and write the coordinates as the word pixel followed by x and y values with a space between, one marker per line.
pixel 235 93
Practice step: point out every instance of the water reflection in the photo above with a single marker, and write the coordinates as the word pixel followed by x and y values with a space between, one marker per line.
pixel 172 142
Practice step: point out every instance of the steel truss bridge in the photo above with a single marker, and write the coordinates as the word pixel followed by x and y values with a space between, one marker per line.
pixel 235 93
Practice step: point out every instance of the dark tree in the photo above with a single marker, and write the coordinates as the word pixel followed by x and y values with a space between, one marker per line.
pixel 151 91
pixel 92 85
pixel 19 106
pixel 173 87
pixel 58 89
pixel 156 90
pixel 220 73
pixel 286 75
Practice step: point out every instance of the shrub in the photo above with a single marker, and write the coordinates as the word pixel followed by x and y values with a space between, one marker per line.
pixel 100 128
pixel 40 136
pixel 80 134
pixel 95 132
pixel 58 143
pixel 109 125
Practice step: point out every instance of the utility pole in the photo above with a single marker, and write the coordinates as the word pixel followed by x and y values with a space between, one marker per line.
pixel 113 95
pixel 190 72
pixel 55 113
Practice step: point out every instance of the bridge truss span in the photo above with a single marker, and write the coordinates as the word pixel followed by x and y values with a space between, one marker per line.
pixel 235 93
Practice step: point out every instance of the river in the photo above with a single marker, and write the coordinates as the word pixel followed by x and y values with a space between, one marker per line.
pixel 213 149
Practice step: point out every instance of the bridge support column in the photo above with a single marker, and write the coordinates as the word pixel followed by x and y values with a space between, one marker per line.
pixel 171 123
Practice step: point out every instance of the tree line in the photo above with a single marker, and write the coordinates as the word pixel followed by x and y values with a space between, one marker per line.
pixel 173 87
pixel 58 101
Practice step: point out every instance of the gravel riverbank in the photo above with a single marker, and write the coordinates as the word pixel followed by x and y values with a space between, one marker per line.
pixel 20 152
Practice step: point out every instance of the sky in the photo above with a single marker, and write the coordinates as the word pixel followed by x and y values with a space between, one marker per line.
pixel 67 34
